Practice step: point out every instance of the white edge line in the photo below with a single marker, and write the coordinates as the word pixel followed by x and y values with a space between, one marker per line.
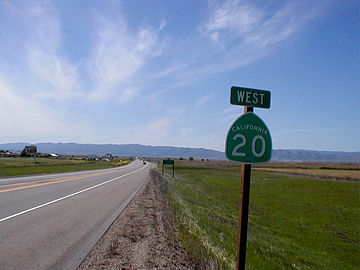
pixel 70 195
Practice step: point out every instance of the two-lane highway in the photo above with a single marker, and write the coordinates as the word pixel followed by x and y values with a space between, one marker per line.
pixel 53 221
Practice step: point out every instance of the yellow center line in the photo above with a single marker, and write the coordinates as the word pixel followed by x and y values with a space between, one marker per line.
pixel 49 181
pixel 31 182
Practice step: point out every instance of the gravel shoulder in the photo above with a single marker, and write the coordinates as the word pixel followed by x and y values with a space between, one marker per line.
pixel 142 237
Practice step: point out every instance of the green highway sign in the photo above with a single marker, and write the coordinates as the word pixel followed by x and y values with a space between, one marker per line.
pixel 168 161
pixel 250 97
pixel 248 140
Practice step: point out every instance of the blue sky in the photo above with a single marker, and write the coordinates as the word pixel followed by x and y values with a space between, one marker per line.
pixel 160 72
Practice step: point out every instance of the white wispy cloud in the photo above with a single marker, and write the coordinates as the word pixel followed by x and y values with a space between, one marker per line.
pixel 171 70
pixel 233 18
pixel 118 56
pixel 54 76
pixel 203 100
pixel 234 34
pixel 40 74
pixel 127 94
pixel 245 32
pixel 121 62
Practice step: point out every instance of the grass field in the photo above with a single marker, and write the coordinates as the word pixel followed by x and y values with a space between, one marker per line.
pixel 25 166
pixel 295 222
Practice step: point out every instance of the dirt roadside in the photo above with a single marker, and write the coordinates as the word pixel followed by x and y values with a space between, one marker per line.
pixel 142 237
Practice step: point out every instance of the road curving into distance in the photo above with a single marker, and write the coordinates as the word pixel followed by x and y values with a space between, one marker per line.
pixel 53 221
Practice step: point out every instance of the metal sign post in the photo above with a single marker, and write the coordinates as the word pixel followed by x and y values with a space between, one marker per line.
pixel 248 141
pixel 244 212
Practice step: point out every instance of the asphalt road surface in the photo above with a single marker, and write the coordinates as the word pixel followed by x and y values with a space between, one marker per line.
pixel 53 221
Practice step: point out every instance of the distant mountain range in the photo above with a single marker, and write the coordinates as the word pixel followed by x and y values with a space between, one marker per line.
pixel 127 150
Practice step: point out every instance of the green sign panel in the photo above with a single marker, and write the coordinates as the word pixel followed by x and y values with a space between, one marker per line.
pixel 250 97
pixel 168 162
pixel 248 140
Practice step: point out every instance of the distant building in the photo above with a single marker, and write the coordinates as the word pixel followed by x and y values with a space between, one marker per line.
pixel 29 151
pixel 91 157
pixel 109 157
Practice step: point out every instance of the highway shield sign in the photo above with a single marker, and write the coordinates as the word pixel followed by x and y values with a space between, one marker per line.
pixel 248 140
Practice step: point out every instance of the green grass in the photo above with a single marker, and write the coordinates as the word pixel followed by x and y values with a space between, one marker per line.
pixel 26 166
pixel 294 222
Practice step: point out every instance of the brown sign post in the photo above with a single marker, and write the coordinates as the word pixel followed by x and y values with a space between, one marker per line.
pixel 244 212
pixel 248 141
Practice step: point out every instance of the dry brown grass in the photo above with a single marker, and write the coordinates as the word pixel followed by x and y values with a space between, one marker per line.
pixel 313 165
pixel 335 171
